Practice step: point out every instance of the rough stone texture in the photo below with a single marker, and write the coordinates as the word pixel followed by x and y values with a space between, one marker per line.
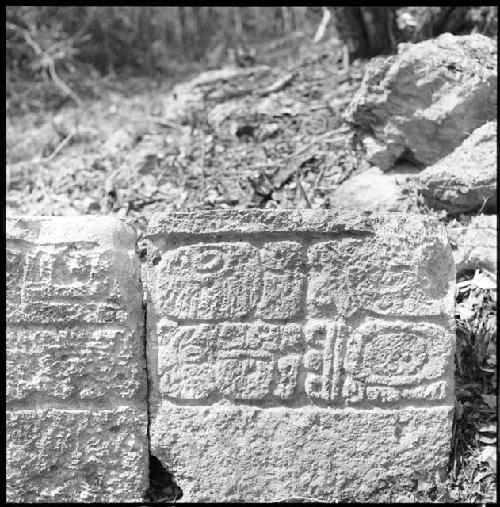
pixel 240 453
pixel 375 190
pixel 299 353
pixel 466 179
pixel 423 102
pixel 62 455
pixel 76 378
pixel 475 243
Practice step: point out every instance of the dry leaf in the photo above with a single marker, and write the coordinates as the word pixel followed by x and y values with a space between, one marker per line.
pixel 482 475
pixel 488 370
pixel 465 311
pixel 490 400
pixel 489 455
pixel 424 485
pixel 487 440
pixel 488 428
pixel 484 280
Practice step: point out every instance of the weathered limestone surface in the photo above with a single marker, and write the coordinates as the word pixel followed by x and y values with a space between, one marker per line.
pixel 69 455
pixel 466 179
pixel 76 378
pixel 299 353
pixel 242 453
pixel 423 102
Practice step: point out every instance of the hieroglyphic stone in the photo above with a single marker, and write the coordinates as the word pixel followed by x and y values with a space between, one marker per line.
pixel 231 280
pixel 244 361
pixel 323 362
pixel 77 363
pixel 397 360
pixel 284 283
pixel 71 281
pixel 310 324
pixel 210 281
pixel 76 379
pixel 391 273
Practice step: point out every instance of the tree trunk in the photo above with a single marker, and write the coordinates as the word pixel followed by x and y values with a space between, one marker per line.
pixel 183 32
pixel 238 24
pixel 287 22
pixel 367 31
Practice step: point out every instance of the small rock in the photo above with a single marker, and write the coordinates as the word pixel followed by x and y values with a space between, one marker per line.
pixel 87 205
pixel 118 141
pixel 475 245
pixel 269 130
pixel 220 112
pixel 375 190
pixel 93 207
pixel 423 102
pixel 466 179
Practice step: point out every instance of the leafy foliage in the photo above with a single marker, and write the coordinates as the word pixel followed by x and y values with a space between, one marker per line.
pixel 54 53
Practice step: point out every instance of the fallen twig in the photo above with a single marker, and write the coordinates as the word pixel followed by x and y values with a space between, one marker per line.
pixel 58 148
pixel 345 58
pixel 160 122
pixel 320 32
pixel 163 123
pixel 318 180
pixel 485 200
pixel 278 85
pixel 300 187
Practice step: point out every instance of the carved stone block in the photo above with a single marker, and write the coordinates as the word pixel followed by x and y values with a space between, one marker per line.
pixel 299 353
pixel 76 372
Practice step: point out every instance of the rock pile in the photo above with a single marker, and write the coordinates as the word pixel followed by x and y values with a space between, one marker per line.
pixel 466 179
pixel 420 104
pixel 475 244
pixel 433 105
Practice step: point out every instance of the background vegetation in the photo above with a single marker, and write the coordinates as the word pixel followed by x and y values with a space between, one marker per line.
pixel 56 53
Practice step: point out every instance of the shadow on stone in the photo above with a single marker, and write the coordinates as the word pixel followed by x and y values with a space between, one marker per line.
pixel 162 485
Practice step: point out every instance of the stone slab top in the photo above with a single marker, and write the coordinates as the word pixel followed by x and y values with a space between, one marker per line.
pixel 293 221
pixel 104 231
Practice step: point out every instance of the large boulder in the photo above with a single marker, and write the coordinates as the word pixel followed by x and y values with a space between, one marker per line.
pixel 466 179
pixel 423 102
